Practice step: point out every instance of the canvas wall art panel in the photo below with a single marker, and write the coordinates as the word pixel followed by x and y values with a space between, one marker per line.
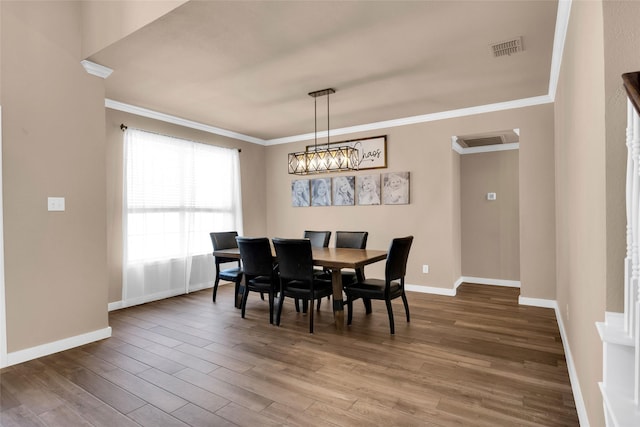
pixel 368 189
pixel 395 188
pixel 344 191
pixel 321 192
pixel 300 193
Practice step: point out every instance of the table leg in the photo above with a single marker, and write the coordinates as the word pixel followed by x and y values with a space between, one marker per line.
pixel 338 308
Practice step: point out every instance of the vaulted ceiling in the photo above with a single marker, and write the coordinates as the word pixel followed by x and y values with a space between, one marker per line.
pixel 247 66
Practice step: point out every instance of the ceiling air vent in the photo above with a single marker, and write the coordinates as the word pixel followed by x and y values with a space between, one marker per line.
pixel 479 142
pixel 507 47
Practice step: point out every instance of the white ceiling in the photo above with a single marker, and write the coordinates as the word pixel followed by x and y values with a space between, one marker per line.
pixel 247 66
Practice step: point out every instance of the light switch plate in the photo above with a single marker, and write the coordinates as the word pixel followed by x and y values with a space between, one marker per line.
pixel 55 204
pixel 491 196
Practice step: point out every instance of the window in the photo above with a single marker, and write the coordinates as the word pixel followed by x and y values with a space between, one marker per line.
pixel 176 192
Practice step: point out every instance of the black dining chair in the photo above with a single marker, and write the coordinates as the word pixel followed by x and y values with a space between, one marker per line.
pixel 319 239
pixel 226 240
pixel 297 280
pixel 388 289
pixel 351 240
pixel 259 270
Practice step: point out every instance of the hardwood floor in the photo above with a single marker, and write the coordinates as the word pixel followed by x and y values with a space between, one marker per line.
pixel 477 359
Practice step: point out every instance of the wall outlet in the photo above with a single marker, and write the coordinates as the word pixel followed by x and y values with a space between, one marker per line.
pixel 491 196
pixel 425 268
pixel 55 204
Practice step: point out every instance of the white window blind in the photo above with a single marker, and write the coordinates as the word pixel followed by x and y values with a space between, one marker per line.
pixel 176 192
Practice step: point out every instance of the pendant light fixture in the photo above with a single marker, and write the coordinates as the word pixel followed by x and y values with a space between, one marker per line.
pixel 324 158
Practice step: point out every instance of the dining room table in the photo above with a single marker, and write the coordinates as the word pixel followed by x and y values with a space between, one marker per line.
pixel 334 260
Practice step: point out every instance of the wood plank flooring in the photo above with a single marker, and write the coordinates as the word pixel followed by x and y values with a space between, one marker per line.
pixel 476 359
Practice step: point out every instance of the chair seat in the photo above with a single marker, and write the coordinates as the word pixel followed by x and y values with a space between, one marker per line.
pixel 373 288
pixel 231 274
pixel 260 283
pixel 321 288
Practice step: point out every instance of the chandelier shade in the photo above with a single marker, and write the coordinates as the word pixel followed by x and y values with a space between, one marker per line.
pixel 334 159
pixel 324 158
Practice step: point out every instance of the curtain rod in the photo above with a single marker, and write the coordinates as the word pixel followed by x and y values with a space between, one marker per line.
pixel 124 127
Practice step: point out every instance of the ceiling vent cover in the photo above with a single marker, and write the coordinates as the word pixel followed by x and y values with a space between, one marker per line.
pixel 507 47
pixel 482 141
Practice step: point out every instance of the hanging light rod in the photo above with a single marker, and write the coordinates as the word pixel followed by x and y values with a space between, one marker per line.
pixel 322 92
pixel 325 158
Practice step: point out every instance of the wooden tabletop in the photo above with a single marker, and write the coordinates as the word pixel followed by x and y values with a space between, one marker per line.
pixel 346 258
pixel 328 257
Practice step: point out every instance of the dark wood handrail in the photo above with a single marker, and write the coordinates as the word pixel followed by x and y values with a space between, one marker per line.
pixel 632 86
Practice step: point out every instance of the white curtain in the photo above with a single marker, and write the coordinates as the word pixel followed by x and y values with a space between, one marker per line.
pixel 175 193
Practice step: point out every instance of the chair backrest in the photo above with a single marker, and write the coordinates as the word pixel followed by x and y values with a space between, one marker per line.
pixel 319 239
pixel 352 239
pixel 295 259
pixel 256 256
pixel 397 257
pixel 224 240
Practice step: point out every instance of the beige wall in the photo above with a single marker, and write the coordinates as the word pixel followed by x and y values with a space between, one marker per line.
pixel 581 195
pixel 490 229
pixel 65 266
pixel 433 216
pixel 53 145
pixel 537 209
pixel 252 170
pixel 621 56
pixel 105 22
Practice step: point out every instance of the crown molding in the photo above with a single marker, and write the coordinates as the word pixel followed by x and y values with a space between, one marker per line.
pixel 500 106
pixel 462 112
pixel 96 69
pixel 144 112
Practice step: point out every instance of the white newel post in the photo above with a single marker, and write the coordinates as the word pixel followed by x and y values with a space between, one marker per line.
pixel 633 288
pixel 628 261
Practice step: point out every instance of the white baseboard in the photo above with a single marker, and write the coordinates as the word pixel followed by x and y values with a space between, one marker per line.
pixel 431 290
pixel 462 279
pixel 458 282
pixel 493 282
pixel 117 305
pixel 539 302
pixel 573 374
pixel 54 347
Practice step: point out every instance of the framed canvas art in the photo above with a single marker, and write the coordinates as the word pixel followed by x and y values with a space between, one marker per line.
pixel 321 192
pixel 368 189
pixel 300 192
pixel 395 188
pixel 344 191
